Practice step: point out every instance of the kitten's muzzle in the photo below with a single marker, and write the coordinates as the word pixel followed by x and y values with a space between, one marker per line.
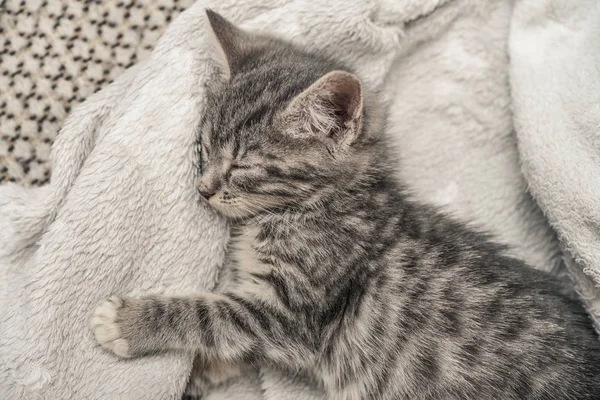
pixel 206 191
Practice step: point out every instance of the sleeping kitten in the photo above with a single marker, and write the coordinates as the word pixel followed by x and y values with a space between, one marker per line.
pixel 338 274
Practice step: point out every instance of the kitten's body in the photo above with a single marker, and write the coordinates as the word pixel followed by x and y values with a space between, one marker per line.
pixel 337 273
pixel 387 299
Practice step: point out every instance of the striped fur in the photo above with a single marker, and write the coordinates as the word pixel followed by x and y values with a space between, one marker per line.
pixel 336 273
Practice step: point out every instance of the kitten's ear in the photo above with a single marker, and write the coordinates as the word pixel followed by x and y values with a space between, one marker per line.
pixel 330 109
pixel 230 42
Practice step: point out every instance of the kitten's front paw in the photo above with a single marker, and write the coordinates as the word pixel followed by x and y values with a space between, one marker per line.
pixel 106 327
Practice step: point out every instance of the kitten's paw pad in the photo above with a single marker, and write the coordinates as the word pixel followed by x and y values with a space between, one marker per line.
pixel 106 329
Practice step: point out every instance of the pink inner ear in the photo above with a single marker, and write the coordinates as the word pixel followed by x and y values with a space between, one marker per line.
pixel 345 93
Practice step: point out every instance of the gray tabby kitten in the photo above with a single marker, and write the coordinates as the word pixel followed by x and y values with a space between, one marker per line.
pixel 337 273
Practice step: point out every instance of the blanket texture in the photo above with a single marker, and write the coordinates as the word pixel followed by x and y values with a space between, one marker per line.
pixel 122 215
pixel 555 81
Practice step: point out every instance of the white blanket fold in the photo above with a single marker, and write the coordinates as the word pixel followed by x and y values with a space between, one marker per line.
pixel 122 214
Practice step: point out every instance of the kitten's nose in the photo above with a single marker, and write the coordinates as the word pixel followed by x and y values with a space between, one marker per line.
pixel 206 191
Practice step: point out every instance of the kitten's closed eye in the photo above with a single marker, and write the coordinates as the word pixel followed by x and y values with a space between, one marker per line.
pixel 241 167
pixel 244 177
pixel 236 171
pixel 242 170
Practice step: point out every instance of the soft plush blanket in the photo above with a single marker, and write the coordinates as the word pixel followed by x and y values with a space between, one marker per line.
pixel 122 214
pixel 555 82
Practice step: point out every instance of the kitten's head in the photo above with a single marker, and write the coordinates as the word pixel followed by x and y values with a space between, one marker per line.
pixel 282 128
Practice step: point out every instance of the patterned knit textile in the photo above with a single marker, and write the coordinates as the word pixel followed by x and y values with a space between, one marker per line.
pixel 55 53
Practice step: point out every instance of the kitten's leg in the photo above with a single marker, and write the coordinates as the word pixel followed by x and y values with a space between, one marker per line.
pixel 218 326
pixel 204 378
